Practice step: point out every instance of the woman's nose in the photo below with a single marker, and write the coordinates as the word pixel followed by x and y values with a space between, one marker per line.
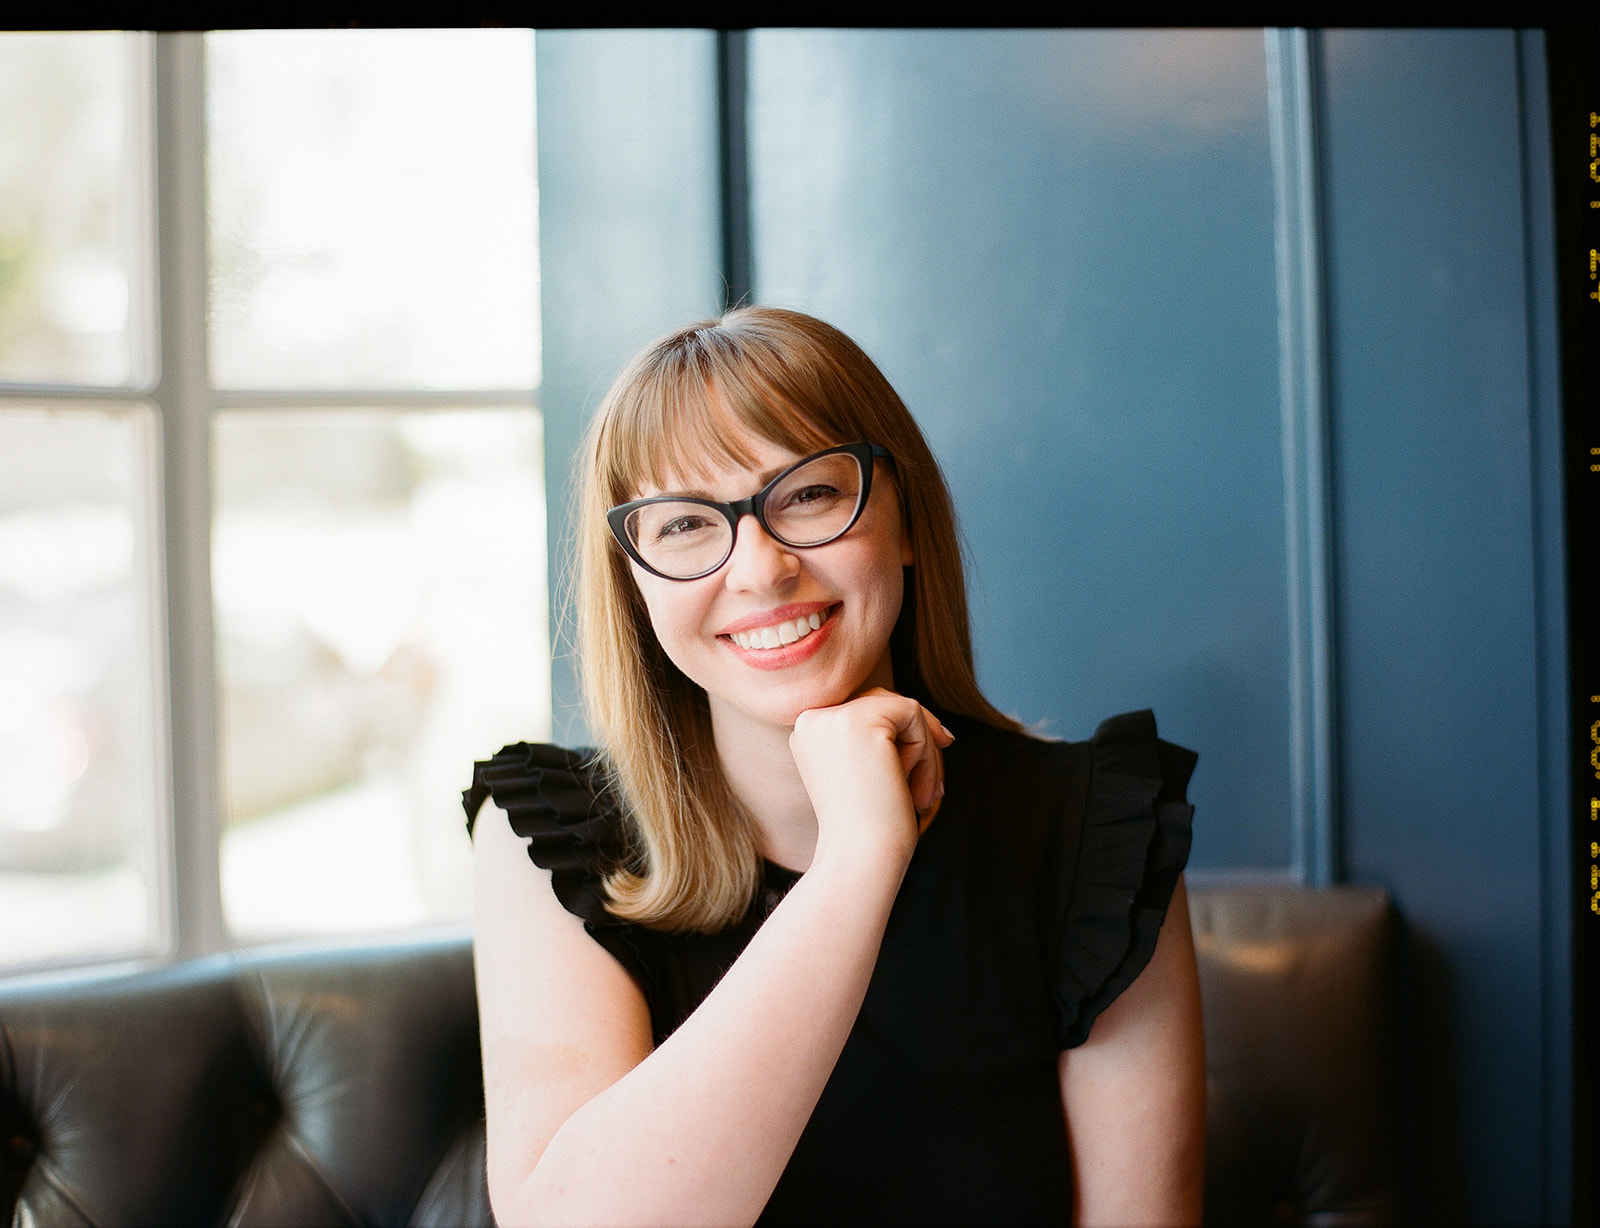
pixel 759 561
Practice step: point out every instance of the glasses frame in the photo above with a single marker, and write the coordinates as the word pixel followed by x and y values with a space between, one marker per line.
pixel 864 453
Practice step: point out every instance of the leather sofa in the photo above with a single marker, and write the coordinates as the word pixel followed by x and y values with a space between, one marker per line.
pixel 341 1085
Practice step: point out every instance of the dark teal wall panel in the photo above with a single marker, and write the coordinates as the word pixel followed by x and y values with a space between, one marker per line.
pixel 1059 246
pixel 1435 581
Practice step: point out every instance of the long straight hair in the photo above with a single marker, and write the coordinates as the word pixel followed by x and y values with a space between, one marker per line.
pixel 690 401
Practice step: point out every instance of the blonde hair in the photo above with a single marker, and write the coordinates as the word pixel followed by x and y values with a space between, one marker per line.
pixel 688 401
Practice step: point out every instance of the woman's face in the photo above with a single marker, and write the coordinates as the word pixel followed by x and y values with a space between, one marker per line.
pixel 712 628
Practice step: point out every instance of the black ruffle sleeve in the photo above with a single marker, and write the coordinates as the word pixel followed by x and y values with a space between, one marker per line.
pixel 1134 844
pixel 560 802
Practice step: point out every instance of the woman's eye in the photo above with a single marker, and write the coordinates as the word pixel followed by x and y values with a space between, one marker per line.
pixel 678 526
pixel 815 493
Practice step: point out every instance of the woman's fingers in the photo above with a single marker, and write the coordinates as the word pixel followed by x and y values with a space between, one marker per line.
pixel 919 738
pixel 926 780
pixel 872 765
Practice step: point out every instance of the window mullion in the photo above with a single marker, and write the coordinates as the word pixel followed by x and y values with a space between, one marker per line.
pixel 186 402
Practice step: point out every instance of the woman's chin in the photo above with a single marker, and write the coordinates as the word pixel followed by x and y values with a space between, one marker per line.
pixel 780 706
pixel 775 716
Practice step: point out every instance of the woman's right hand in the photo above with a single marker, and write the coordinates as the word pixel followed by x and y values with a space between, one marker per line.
pixel 873 767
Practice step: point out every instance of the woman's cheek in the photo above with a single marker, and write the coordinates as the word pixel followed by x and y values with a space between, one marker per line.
pixel 673 620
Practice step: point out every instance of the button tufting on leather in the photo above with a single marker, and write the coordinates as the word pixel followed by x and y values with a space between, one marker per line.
pixel 168 1096
pixel 18 1152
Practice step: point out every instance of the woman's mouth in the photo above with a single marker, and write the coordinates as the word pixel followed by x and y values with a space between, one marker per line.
pixel 782 634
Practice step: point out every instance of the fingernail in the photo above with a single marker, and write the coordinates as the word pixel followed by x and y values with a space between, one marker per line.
pixel 938 791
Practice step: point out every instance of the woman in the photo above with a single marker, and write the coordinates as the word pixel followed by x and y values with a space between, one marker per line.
pixel 819 935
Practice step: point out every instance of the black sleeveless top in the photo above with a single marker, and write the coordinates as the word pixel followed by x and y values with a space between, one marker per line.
pixel 1032 900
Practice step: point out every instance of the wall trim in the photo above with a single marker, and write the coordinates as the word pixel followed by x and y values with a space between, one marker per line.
pixel 1302 348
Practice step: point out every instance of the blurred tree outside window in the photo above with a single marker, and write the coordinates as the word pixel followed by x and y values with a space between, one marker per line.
pixel 74 209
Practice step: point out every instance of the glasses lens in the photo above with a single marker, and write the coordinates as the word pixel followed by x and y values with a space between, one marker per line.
pixel 816 502
pixel 679 538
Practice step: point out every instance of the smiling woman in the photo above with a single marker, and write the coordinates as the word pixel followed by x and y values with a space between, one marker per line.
pixel 824 936
pixel 737 405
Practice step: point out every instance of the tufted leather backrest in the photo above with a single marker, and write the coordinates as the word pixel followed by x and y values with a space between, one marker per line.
pixel 1305 1055
pixel 342 1085
pixel 338 1086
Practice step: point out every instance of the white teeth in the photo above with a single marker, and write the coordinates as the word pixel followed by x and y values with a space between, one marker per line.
pixel 779 635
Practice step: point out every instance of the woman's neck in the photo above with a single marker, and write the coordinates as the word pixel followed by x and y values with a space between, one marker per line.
pixel 760 770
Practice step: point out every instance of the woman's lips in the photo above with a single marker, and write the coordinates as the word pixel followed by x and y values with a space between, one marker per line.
pixel 778 614
pixel 778 644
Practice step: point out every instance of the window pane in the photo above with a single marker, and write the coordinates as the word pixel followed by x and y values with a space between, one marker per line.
pixel 71 215
pixel 373 209
pixel 79 833
pixel 380 614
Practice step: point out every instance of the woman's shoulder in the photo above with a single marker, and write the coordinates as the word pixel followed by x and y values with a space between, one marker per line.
pixel 560 800
pixel 1124 754
pixel 1111 828
pixel 1133 844
pixel 1125 733
pixel 1127 748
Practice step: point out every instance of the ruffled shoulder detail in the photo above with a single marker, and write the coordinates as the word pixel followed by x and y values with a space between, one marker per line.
pixel 561 803
pixel 1134 843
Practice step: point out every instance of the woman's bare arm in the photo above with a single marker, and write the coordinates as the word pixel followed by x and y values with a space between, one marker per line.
pixel 586 1123
pixel 1135 1094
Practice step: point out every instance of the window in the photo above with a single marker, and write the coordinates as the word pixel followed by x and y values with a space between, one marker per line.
pixel 271 508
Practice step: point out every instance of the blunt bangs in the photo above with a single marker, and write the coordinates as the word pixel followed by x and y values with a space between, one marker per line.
pixel 697 399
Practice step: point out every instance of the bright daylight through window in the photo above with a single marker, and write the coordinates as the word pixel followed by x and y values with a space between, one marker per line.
pixel 359 312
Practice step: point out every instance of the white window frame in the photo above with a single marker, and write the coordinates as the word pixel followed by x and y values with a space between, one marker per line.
pixel 172 374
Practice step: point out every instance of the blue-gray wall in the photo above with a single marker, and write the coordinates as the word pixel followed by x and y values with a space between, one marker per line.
pixel 1239 353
